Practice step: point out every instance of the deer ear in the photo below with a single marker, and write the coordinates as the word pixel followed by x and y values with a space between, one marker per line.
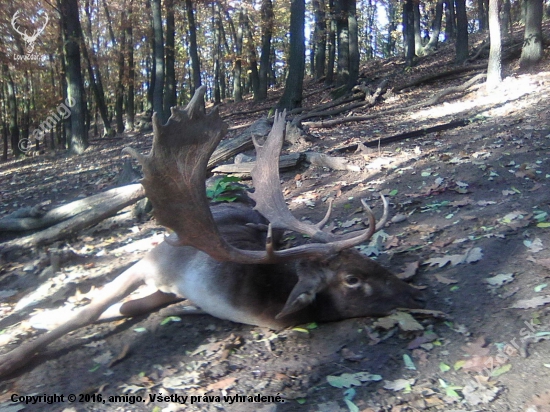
pixel 302 295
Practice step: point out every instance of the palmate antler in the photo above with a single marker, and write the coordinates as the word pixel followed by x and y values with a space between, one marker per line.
pixel 175 174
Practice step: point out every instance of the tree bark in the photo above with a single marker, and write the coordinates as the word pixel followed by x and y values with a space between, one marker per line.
pixel 353 45
pixel 531 52
pixel 95 75
pixel 408 32
pixel 267 32
pixel 342 34
pixel 78 138
pixel 12 111
pixel 170 71
pixel 331 44
pixel 436 28
pixel 319 37
pixel 494 68
pixel 130 105
pixel 292 95
pixel 159 61
pixel 193 48
pixel 462 31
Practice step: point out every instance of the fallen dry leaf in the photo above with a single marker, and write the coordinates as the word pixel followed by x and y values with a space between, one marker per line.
pixel 221 384
pixel 477 348
pixel 471 255
pixel 409 271
pixel 531 303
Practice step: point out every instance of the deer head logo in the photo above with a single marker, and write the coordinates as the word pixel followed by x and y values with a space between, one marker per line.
pixel 29 39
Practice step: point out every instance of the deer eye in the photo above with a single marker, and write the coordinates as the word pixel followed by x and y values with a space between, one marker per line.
pixel 351 281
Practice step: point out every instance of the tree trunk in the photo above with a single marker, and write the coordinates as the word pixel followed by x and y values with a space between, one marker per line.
pixel 119 100
pixel 436 28
pixel 418 46
pixel 408 32
pixel 237 71
pixel 159 61
pixel 292 95
pixel 449 20
pixel 193 48
pixel 494 68
pixel 170 80
pixel 531 53
pixel 12 111
pixel 331 44
pixel 342 29
pixel 482 15
pixel 462 31
pixel 95 75
pixel 78 138
pixel 267 33
pixel 353 45
pixel 320 38
pixel 253 75
pixel 130 105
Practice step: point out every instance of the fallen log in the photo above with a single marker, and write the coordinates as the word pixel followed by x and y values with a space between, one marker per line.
pixel 15 222
pixel 291 161
pixel 241 143
pixel 285 162
pixel 124 196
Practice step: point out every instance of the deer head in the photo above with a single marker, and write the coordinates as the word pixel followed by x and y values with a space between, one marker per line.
pixel 29 39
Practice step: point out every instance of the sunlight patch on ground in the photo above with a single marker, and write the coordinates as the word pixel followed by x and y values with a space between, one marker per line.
pixel 511 89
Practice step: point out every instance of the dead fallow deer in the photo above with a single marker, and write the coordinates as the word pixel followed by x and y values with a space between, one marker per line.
pixel 223 258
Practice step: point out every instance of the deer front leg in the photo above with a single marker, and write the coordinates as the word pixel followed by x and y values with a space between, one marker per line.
pixel 120 287
pixel 140 306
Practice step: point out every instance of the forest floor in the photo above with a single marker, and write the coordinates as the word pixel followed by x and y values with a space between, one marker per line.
pixel 471 216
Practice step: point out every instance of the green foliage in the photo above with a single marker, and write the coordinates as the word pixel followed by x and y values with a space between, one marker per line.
pixel 218 192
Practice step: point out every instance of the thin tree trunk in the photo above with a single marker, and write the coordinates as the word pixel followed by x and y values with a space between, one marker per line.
pixel 170 80
pixel 193 48
pixel 331 44
pixel 253 74
pixel 353 45
pixel 449 20
pixel 267 33
pixel 432 44
pixel 237 71
pixel 130 103
pixel 462 31
pixel 78 138
pixel 319 37
pixel 12 111
pixel 95 75
pixel 494 68
pixel 408 32
pixel 159 60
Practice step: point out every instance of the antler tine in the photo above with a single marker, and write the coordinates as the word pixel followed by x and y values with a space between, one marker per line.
pixel 267 186
pixel 271 204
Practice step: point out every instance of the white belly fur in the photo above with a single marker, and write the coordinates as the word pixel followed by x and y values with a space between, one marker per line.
pixel 194 278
